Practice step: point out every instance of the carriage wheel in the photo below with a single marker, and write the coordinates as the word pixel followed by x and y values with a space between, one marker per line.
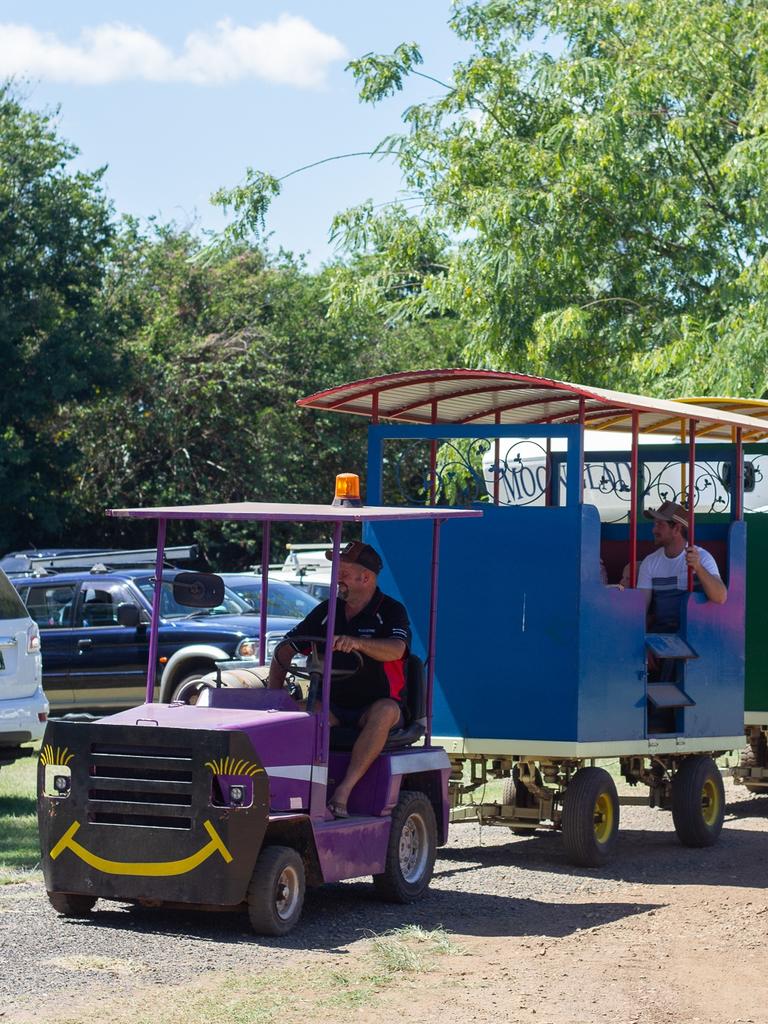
pixel 590 817
pixel 698 801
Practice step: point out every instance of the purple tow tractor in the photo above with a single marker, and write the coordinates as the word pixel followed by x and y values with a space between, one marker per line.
pixel 223 804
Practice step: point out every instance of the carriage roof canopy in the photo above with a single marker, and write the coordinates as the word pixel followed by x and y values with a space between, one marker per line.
pixel 490 396
pixel 259 511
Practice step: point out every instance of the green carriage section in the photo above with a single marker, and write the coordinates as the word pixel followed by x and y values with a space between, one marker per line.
pixel 756 640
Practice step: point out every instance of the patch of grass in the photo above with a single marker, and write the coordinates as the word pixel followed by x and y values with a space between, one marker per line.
pixel 19 848
pixel 352 991
pixel 436 939
pixel 279 996
pixel 408 949
pixel 396 956
pixel 235 999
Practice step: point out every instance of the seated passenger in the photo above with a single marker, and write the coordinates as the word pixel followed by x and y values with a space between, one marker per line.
pixel 664 576
pixel 377 627
pixel 664 573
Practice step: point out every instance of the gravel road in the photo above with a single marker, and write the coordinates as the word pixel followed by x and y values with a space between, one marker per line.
pixel 498 892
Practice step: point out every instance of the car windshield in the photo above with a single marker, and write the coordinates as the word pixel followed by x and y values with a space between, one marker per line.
pixel 171 609
pixel 282 598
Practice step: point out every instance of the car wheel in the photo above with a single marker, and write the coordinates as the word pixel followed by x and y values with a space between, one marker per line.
pixel 189 689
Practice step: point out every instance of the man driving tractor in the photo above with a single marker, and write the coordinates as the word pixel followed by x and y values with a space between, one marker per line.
pixel 376 627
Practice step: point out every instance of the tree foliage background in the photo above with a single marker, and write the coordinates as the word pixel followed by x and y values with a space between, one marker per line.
pixel 218 353
pixel 585 199
pixel 56 341
pixel 135 372
pixel 590 189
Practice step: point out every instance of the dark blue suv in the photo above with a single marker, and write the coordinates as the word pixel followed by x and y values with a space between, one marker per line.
pixel 92 662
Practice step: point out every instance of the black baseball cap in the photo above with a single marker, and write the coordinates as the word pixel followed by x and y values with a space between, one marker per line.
pixel 360 554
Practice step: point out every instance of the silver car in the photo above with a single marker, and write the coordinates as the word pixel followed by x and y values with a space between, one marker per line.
pixel 23 706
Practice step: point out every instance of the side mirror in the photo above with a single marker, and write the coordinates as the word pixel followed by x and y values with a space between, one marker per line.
pixel 127 614
pixel 198 589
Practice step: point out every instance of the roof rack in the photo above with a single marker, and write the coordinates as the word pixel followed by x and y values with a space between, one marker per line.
pixel 320 545
pixel 40 565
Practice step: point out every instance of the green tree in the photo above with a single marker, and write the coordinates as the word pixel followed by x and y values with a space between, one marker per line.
pixel 55 346
pixel 220 350
pixel 592 191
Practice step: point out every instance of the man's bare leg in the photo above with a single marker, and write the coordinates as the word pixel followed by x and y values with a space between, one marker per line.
pixel 377 721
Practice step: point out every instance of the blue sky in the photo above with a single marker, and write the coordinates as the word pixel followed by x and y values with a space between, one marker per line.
pixel 178 99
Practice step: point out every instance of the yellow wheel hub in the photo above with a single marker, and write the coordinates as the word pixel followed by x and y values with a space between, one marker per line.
pixel 603 818
pixel 710 802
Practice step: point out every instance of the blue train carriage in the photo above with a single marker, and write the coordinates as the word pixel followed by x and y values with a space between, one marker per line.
pixel 753 769
pixel 541 667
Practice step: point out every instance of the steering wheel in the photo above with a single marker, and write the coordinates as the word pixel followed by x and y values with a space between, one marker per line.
pixel 315 662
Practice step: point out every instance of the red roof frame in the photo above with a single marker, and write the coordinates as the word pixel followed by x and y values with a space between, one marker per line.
pixel 462 395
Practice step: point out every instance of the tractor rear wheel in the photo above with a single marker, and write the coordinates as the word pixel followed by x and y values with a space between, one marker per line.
pixel 276 893
pixel 590 817
pixel 698 801
pixel 411 850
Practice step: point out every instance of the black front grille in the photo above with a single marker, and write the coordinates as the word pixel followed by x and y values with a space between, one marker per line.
pixel 140 785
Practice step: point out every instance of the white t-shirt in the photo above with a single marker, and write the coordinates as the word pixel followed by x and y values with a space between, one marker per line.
pixel 657 572
pixel 668 578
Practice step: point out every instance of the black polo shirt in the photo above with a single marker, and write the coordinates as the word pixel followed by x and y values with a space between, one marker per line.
pixel 382 618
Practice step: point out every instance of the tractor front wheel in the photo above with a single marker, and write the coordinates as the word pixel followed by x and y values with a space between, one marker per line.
pixel 70 904
pixel 276 893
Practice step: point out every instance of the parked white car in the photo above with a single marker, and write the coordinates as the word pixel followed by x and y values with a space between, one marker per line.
pixel 23 705
pixel 307 568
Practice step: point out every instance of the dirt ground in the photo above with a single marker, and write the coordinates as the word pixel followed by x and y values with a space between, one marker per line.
pixel 664 934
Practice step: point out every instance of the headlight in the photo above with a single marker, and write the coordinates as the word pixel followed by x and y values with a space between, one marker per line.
pixel 247 648
pixel 57 780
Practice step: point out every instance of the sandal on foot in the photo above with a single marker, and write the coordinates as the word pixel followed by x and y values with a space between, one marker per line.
pixel 338 810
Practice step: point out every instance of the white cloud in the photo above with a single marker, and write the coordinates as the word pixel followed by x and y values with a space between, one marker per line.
pixel 289 51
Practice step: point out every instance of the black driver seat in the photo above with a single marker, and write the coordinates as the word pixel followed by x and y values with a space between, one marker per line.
pixel 415 713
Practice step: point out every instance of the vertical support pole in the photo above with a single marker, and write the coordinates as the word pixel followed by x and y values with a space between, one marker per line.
pixel 683 440
pixel 325 730
pixel 433 460
pixel 582 422
pixel 431 651
pixel 374 477
pixel 496 460
pixel 264 593
pixel 738 493
pixel 691 488
pixel 155 621
pixel 549 483
pixel 634 470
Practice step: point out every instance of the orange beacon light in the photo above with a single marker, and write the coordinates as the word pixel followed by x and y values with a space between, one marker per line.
pixel 348 490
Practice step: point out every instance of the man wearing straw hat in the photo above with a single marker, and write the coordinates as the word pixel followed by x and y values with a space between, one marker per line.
pixel 664 573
